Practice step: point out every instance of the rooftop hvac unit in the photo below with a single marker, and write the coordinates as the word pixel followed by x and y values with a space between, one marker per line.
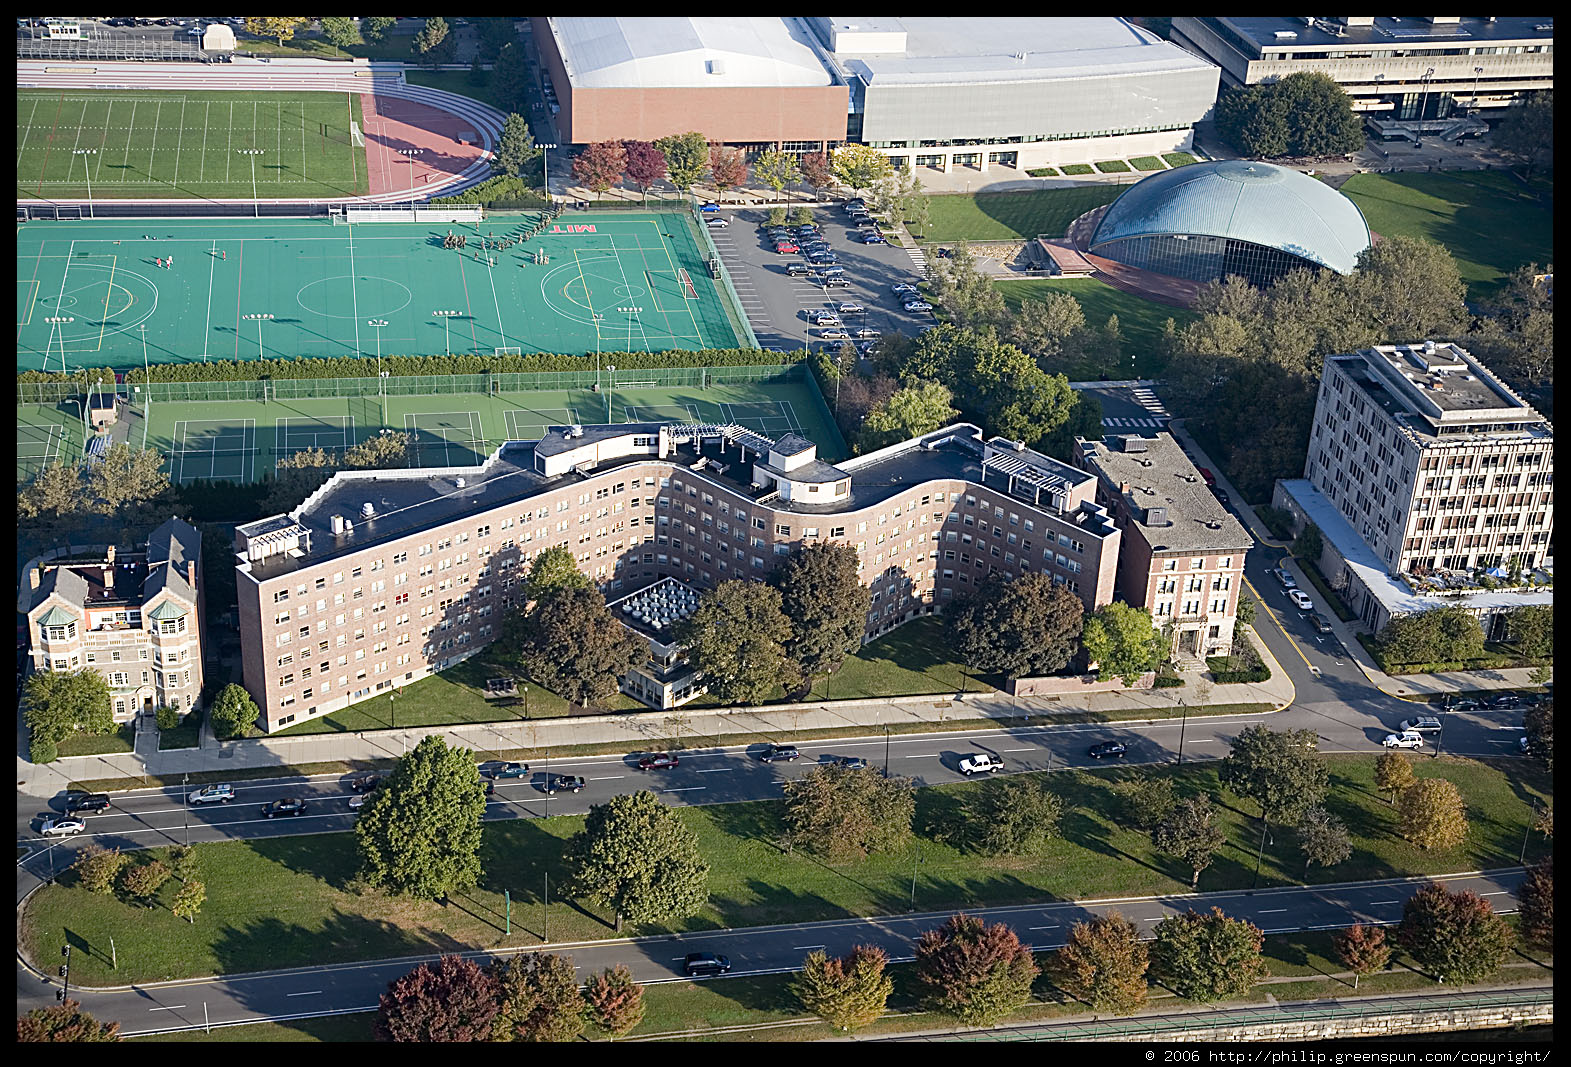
pixel 575 430
pixel 1429 348
pixel 459 482
pixel 1285 35
pixel 336 523
pixel 1132 443
pixel 367 510
pixel 1156 516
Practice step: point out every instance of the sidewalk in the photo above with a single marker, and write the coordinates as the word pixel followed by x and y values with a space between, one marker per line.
pixel 1407 687
pixel 639 731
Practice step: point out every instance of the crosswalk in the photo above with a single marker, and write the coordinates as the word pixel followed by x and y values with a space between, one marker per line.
pixel 918 259
pixel 1134 424
pixel 1148 400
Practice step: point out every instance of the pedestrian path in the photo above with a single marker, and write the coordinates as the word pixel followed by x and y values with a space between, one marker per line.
pixel 1126 423
pixel 1149 400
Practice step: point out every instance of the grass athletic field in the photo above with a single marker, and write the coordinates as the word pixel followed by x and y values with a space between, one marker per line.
pixel 610 283
pixel 145 143
pixel 242 441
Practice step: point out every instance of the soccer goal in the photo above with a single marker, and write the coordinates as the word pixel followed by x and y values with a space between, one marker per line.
pixel 687 283
pixel 356 138
pixel 509 351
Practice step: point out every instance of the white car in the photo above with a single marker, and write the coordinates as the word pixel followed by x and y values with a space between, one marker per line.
pixel 918 305
pixel 1300 600
pixel 980 762
pixel 833 334
pixel 903 287
pixel 717 224
pixel 1285 578
pixel 823 318
pixel 213 794
pixel 852 309
pixel 358 802
pixel 1409 739
pixel 62 827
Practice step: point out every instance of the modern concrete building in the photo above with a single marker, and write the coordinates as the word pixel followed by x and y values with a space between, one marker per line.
pixel 1397 70
pixel 383 577
pixel 135 617
pixel 1182 557
pixel 929 92
pixel 1208 220
pixel 1435 465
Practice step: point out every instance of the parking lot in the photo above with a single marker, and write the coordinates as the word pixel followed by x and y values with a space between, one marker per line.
pixel 780 307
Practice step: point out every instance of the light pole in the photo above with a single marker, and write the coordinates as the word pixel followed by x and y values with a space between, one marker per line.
pixel 64 994
pixel 381 378
pixel 1478 72
pixel 545 170
pixel 410 154
pixel 1183 726
pixel 146 374
pixel 55 322
pixel 526 702
pixel 392 716
pixel 87 172
pixel 185 806
pixel 610 387
pixel 886 752
pixel 444 316
pixel 259 317
pixel 1423 99
pixel 256 208
pixel 918 858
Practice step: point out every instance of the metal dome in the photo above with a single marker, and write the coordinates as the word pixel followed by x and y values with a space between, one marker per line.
pixel 1239 200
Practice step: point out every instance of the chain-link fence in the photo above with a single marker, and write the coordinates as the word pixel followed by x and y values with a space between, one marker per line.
pixel 734 305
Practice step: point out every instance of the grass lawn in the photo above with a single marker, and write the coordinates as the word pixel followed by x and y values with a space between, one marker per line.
pixel 338 1028
pixel 185 735
pixel 1139 319
pixel 1147 163
pixel 752 880
pixel 1077 168
pixel 1178 159
pixel 912 660
pixel 1112 166
pixel 1001 216
pixel 1043 172
pixel 122 740
pixel 457 81
pixel 1490 221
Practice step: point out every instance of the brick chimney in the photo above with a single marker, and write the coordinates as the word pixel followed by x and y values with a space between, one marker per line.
pixel 109 570
pixel 190 573
pixel 35 576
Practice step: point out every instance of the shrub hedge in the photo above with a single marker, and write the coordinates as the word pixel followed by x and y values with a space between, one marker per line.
pixel 1244 665
pixel 1482 663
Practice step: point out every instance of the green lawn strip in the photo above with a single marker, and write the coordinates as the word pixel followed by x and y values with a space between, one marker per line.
pixel 1178 159
pixel 752 881
pixel 1490 221
pixel 1139 320
pixel 457 81
pixel 122 740
pixel 1147 163
pixel 1112 166
pixel 1043 172
pixel 1077 168
pixel 1002 216
pixel 356 1027
pixel 185 735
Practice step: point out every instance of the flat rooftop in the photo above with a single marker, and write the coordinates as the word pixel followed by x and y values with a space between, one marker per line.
pixel 1440 389
pixel 1406 31
pixel 1160 475
pixel 654 611
pixel 731 51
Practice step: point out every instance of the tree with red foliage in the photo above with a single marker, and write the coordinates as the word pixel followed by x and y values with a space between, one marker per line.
pixel 816 171
pixel 451 1000
pixel 1362 950
pixel 645 164
pixel 974 972
pixel 64 1022
pixel 615 999
pixel 727 166
pixel 601 165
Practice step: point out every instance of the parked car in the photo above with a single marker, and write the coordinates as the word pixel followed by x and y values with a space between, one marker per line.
pixel 866 331
pixel 785 248
pixel 798 269
pixel 902 287
pixel 366 783
pixel 1320 623
pixel 833 333
pixel 1286 579
pixel 1106 748
pixel 1423 724
pixel 873 239
pixel 1465 704
pixel 566 783
pixel 831 271
pixel 1210 479
pixel 866 347
pixel 77 800
pixel 1300 600
pixel 835 282
pixel 1506 700
pixel 980 762
pixel 849 308
pixel 212 794
pixel 709 207
pixel 1523 745
pixel 195 31
pixel 1405 739
pixel 358 802
pixel 825 318
pixel 717 223
pixel 821 259
pixel 63 826
pixel 918 305
pixel 658 761
pixel 704 964
pixel 852 763
pixel 779 753
pixel 499 770
pixel 1221 496
pixel 286 806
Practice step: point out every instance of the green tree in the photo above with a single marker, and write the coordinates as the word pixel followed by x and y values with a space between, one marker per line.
pixel 124 480
pixel 1145 801
pixel 1432 814
pixel 846 814
pixel 615 1000
pixel 1320 118
pixel 846 993
pixel 1323 838
pixel 640 858
pixel 1527 133
pixel 601 165
pixel 97 867
pixel 515 149
pixel 62 703
pixel 573 646
pixel 966 295
pixel 453 999
pixel 144 880
pixel 422 836
pixel 1103 965
pixel 375 27
pixel 1309 544
pixel 166 717
pixel 1393 773
pixel 55 493
pixel 1190 834
pixel 189 901
pixel 495 34
pixel 552 570
pixel 1016 398
pixel 817 172
pixel 183 861
pixel 279 29
pixel 539 999
pixel 918 408
pixel 1536 906
pixel 737 636
pixel 645 165
pixel 974 972
pixel 1410 288
pixel 1278 769
pixel 1362 950
pixel 1018 628
pixel 1051 329
pixel 1122 641
pixel 1015 817
pixel 1516 338
pixel 823 598
pixel 776 170
pixel 1250 120
pixel 859 166
pixel 1454 936
pixel 233 712
pixel 510 77
pixel 1532 628
pixel 1540 725
pixel 64 1022
pixel 433 42
pixel 686 158
pixel 342 32
pixel 912 206
pixel 1246 610
pixel 1208 956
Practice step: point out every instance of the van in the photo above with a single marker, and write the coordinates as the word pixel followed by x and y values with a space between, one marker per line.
pixel 1420 724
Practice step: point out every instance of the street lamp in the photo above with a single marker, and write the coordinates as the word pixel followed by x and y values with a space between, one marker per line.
pixel 381 378
pixel 55 322
pixel 185 806
pixel 1423 99
pixel 1478 72
pixel 610 387
pixel 410 154
pixel 259 317
pixel 525 688
pixel 256 208
pixel 545 169
pixel 444 316
pixel 87 172
pixel 918 858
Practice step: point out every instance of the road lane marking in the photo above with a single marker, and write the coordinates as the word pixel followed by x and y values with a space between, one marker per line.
pixel 1050 926
pixel 798 948
pixel 717 770
pixel 922 755
pixel 609 778
pixel 168 1007
pixel 311 993
pixel 684 789
pixel 1154 919
pixel 1373 902
pixel 1016 750
pixel 1498 893
pixel 1272 911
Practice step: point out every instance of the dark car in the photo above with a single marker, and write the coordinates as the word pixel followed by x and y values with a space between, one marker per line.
pixel 873 239
pixel 852 763
pixel 567 783
pixel 1106 748
pixel 700 964
pixel 366 783
pixel 1221 495
pixel 1507 700
pixel 1321 624
pixel 490 787
pixel 79 801
pixel 287 806
pixel 505 770
pixel 776 753
pixel 658 761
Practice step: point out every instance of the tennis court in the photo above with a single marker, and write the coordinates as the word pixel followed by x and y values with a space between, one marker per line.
pixel 46 434
pixel 110 293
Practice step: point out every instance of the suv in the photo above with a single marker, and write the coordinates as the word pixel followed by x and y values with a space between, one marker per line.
pixel 1420 724
pixel 982 761
pixel 700 964
pixel 799 268
pixel 776 753
pixel 286 806
pixel 77 801
pixel 567 782
pixel 1406 739
pixel 366 783
pixel 1106 748
pixel 212 794
pixel 1320 623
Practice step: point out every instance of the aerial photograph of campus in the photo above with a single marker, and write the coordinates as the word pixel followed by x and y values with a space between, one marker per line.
pixel 713 529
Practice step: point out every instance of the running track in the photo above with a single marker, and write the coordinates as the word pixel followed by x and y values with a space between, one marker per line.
pixel 391 109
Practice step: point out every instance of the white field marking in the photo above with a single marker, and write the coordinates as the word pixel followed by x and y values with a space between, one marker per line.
pixel 1373 902
pixel 1272 911
pixel 717 770
pixel 308 993
pixel 168 1007
pixel 684 789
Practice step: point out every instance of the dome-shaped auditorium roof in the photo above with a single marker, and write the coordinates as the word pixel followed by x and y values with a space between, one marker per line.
pixel 1247 201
